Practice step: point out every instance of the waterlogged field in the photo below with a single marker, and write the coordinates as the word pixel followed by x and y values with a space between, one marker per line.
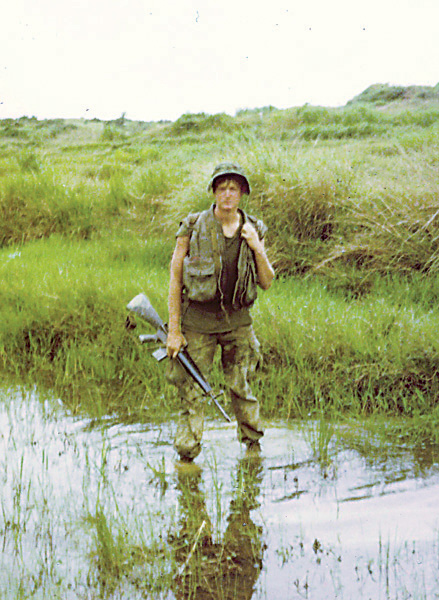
pixel 98 509
pixel 341 502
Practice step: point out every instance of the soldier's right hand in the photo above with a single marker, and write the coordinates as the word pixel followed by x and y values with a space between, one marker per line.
pixel 175 342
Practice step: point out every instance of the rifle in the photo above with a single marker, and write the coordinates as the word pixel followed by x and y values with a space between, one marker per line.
pixel 143 307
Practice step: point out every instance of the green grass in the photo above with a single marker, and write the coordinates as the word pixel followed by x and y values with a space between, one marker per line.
pixel 361 356
pixel 89 212
pixel 64 313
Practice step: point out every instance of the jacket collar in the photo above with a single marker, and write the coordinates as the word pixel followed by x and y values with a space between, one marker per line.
pixel 212 215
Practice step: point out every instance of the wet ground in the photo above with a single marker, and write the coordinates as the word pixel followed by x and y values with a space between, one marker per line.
pixel 322 512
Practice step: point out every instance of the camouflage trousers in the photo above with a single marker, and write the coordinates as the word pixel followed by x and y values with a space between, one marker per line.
pixel 239 358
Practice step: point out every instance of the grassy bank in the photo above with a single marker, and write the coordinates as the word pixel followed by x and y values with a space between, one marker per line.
pixel 89 210
pixel 63 327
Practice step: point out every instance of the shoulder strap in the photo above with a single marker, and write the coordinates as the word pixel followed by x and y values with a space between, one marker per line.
pixel 216 253
pixel 259 225
pixel 193 218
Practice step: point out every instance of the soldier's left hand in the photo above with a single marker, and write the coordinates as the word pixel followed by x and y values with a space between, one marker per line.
pixel 250 235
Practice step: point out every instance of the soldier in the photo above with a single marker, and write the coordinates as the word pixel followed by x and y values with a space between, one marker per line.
pixel 218 262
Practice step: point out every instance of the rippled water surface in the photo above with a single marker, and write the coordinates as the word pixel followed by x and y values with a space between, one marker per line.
pixel 321 512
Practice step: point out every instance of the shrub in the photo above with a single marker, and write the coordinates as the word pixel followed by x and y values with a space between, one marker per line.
pixel 111 133
pixel 201 122
pixel 118 195
pixel 14 129
pixel 28 161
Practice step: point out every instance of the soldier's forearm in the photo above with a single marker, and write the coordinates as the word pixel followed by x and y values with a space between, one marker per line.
pixel 174 306
pixel 264 269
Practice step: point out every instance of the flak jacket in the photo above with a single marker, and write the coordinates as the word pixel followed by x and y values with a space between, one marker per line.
pixel 203 265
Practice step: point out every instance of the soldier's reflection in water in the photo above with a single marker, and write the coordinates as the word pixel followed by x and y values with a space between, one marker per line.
pixel 227 569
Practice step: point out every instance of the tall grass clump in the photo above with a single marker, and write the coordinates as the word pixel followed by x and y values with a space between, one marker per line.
pixel 158 180
pixel 390 228
pixel 142 200
pixel 300 197
pixel 33 206
pixel 118 195
pixel 28 161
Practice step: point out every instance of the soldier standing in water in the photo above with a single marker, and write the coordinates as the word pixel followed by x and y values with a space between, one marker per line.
pixel 217 265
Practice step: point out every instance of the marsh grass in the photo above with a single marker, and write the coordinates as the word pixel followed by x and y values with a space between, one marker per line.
pixel 89 211
pixel 33 206
pixel 343 356
pixel 319 435
pixel 63 306
pixel 66 529
pixel 323 351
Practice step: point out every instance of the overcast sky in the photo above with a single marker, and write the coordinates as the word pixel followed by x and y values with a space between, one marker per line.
pixel 158 59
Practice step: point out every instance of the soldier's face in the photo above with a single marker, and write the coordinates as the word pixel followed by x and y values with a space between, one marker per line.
pixel 228 194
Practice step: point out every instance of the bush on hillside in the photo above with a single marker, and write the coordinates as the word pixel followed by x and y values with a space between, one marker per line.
pixel 13 129
pixel 201 122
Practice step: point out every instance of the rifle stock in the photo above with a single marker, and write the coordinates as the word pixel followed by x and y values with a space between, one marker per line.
pixel 142 306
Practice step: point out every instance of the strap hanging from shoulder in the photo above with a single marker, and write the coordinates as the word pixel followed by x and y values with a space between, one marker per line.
pixel 216 253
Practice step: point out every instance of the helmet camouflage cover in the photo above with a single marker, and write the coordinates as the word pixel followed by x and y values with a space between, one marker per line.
pixel 227 168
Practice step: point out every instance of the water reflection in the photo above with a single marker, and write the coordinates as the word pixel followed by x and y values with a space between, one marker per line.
pixel 229 568
pixel 388 458
pixel 80 505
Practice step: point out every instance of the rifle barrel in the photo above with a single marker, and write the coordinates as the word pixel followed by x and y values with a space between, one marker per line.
pixel 188 364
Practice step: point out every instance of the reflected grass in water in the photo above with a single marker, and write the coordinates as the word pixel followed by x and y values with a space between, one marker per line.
pixel 100 510
pixel 319 435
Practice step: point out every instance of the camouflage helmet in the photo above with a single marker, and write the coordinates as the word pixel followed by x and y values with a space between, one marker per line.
pixel 227 168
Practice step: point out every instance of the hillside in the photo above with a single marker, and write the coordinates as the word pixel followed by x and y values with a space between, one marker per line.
pixel 390 95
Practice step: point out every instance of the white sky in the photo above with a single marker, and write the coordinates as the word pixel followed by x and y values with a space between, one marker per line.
pixel 157 59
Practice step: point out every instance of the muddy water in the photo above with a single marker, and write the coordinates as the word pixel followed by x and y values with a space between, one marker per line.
pixel 320 513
